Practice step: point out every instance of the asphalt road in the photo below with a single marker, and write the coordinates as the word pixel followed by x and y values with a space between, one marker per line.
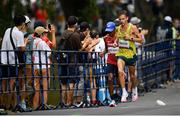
pixel 146 105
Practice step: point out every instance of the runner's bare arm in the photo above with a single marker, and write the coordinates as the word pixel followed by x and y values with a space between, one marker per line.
pixel 136 36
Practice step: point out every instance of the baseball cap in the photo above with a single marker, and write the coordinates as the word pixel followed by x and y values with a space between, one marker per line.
pixel 135 20
pixel 168 18
pixel 27 19
pixel 72 20
pixel 40 30
pixel 110 26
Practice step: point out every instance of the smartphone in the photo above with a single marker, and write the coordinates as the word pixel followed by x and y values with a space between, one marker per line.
pixel 49 26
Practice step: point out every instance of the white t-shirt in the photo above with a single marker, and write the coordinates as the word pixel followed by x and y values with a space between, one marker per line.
pixel 43 55
pixel 18 39
pixel 100 47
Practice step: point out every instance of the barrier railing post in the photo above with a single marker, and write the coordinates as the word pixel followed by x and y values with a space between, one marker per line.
pixel 107 99
pixel 85 75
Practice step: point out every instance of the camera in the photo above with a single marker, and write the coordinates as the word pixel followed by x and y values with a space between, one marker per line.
pixel 49 26
pixel 140 29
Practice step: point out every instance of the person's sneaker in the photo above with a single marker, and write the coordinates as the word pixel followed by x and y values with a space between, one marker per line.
pixel 94 103
pixel 134 97
pixel 112 104
pixel 115 97
pixel 3 112
pixel 134 94
pixel 23 105
pixel 79 104
pixel 71 106
pixel 124 98
pixel 129 98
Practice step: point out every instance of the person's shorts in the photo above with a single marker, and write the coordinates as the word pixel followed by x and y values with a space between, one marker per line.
pixel 112 68
pixel 8 71
pixel 128 61
pixel 68 74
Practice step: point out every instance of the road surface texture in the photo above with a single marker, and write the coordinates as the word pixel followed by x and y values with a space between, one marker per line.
pixel 146 105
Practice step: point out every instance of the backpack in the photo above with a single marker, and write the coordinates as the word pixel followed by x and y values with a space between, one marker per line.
pixel 63 43
pixel 62 46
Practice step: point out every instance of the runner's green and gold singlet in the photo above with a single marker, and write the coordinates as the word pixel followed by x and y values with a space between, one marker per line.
pixel 127 48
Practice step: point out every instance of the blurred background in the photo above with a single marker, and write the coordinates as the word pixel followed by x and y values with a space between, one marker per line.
pixel 96 12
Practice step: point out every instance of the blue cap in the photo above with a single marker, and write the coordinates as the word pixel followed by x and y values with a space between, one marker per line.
pixel 110 26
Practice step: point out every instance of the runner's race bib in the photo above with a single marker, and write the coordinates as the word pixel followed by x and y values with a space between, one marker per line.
pixel 113 50
pixel 123 43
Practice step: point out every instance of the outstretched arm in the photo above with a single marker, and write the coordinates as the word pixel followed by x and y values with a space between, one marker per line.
pixel 53 33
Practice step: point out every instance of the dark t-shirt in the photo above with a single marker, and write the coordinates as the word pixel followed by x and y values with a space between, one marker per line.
pixel 72 43
pixel 73 40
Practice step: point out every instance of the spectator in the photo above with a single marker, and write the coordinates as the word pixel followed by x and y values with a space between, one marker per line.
pixel 94 57
pixel 40 73
pixel 12 62
pixel 51 43
pixel 177 27
pixel 70 41
pixel 22 73
pixel 99 68
pixel 165 31
pixel 88 45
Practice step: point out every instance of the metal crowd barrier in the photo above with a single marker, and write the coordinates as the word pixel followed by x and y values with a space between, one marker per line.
pixel 88 72
pixel 156 64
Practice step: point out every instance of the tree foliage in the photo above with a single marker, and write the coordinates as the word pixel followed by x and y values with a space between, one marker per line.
pixel 86 10
pixel 7 10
